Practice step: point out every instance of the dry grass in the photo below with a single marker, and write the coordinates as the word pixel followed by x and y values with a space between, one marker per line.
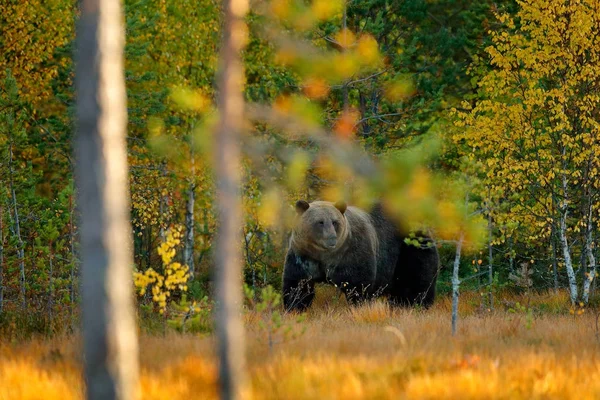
pixel 376 312
pixel 370 352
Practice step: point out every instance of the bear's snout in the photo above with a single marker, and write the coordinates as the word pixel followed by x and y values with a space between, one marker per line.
pixel 331 241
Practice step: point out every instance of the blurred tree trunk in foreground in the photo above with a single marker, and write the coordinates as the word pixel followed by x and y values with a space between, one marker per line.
pixel 110 343
pixel 228 274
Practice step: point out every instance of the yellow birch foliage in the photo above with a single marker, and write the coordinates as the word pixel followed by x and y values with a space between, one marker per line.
pixel 175 274
pixel 537 118
pixel 172 49
pixel 30 33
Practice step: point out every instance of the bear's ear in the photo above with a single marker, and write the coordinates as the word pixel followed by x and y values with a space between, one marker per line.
pixel 301 206
pixel 341 205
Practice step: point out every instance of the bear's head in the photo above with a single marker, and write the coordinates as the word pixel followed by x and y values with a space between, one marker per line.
pixel 321 226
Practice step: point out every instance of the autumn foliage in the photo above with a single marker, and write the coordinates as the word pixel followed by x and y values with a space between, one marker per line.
pixel 475 121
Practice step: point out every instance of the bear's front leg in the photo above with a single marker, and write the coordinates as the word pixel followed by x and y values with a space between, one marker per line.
pixel 298 283
pixel 356 278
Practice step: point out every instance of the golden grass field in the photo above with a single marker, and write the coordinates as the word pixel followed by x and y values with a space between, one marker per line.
pixel 364 353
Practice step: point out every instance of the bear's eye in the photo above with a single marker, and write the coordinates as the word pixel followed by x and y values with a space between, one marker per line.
pixel 335 223
pixel 321 222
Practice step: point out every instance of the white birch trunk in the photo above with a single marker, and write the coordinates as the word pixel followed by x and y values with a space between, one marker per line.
pixel 456 284
pixel 20 245
pixel 188 249
pixel 587 283
pixel 562 232
pixel 109 331
pixel 567 256
pixel 554 255
pixel 162 204
pixel 228 285
pixel 51 289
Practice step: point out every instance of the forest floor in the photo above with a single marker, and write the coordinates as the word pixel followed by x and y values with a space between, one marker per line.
pixel 538 351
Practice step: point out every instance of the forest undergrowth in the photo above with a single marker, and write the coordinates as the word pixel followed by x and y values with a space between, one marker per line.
pixel 527 347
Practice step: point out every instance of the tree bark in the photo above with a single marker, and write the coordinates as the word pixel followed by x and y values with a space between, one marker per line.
pixel 50 304
pixel 17 226
pixel 162 204
pixel 594 282
pixel 109 332
pixel 228 285
pixel 589 278
pixel 562 231
pixel 554 255
pixel 247 241
pixel 511 258
pixel 456 285
pixel 567 256
pixel 362 101
pixel 188 250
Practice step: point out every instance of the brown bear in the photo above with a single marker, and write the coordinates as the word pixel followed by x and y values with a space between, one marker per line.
pixel 364 254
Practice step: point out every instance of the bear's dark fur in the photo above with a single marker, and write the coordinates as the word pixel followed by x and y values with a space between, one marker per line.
pixel 363 254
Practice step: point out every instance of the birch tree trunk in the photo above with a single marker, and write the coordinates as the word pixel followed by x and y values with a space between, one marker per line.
pixel 554 255
pixel 588 279
pixel 50 304
pixel 567 256
pixel 511 258
pixel 109 332
pixel 17 227
pixel 228 285
pixel 162 204
pixel 456 284
pixel 562 232
pixel 188 249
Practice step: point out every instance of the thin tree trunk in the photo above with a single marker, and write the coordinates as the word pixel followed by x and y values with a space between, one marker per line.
pixel 188 250
pixel 490 263
pixel 109 332
pixel 230 329
pixel 562 231
pixel 17 227
pixel 583 258
pixel 511 258
pixel 554 256
pixel 149 246
pixel 362 101
pixel 161 229
pixel 567 256
pixel 51 289
pixel 247 241
pixel 595 246
pixel 456 285
pixel 161 211
pixel 587 282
